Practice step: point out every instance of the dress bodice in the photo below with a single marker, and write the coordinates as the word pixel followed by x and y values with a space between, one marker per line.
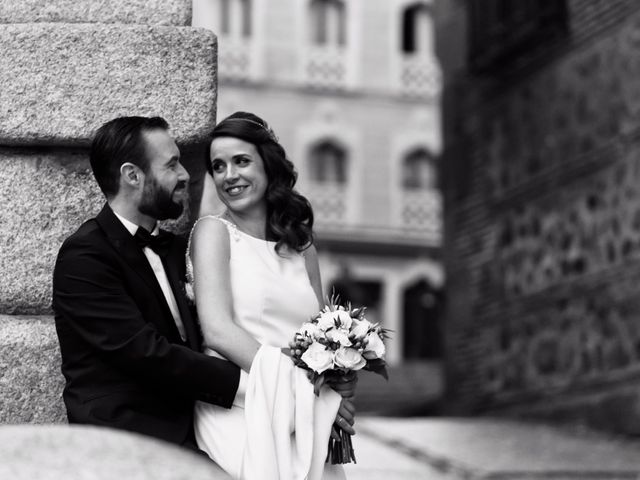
pixel 272 295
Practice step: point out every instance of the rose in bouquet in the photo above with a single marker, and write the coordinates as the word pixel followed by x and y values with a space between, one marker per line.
pixel 333 343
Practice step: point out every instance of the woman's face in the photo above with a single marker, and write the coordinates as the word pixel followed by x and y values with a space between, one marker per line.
pixel 238 174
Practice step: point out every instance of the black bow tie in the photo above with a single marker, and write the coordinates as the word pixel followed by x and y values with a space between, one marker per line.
pixel 158 243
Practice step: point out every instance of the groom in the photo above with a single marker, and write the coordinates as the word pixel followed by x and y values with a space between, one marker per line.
pixel 130 347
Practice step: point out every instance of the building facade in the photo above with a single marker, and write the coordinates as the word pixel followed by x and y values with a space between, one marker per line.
pixel 543 208
pixel 352 90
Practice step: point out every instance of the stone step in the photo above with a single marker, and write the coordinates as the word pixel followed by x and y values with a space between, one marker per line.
pixel 81 452
pixel 144 12
pixel 61 81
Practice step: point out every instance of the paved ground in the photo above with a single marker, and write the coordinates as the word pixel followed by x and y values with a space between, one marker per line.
pixel 454 448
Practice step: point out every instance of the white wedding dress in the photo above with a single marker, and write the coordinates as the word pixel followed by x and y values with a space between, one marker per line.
pixel 272 297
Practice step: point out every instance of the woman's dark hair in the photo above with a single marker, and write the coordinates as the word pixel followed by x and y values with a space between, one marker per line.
pixel 120 141
pixel 289 214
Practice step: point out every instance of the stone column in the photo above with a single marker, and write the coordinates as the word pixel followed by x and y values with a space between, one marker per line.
pixel 66 67
pixel 392 315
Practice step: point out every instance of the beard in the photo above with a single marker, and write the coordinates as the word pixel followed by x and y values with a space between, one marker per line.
pixel 157 201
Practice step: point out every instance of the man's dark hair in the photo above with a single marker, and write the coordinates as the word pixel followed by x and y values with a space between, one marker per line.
pixel 120 141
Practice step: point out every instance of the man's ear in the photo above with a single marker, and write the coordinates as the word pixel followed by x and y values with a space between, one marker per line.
pixel 130 174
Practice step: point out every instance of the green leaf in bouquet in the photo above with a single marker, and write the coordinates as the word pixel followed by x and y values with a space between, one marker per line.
pixel 378 366
pixel 300 363
pixel 385 333
pixel 318 381
pixel 333 300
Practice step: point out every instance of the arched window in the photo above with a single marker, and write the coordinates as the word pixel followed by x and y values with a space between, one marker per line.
pixel 328 22
pixel 419 171
pixel 235 18
pixel 417 30
pixel 328 163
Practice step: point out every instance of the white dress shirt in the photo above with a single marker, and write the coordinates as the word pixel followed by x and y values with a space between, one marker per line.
pixel 158 270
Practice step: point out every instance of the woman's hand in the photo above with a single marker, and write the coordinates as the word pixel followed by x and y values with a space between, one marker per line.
pixel 344 419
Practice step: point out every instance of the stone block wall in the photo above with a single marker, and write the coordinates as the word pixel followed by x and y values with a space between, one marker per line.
pixel 143 12
pixel 66 67
pixel 30 378
pixel 543 231
pixel 61 80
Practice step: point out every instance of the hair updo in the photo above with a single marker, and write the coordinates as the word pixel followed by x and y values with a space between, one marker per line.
pixel 289 214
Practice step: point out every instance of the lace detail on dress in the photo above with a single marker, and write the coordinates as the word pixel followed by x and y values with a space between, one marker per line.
pixel 189 285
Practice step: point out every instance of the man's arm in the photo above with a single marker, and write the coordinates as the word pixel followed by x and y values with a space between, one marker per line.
pixel 88 293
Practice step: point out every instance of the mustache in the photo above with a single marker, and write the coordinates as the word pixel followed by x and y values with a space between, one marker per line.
pixel 182 185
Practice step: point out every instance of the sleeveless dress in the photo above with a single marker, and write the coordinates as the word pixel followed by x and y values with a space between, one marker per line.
pixel 272 297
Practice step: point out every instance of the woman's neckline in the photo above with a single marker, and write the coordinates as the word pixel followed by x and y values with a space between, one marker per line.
pixel 251 236
pixel 225 216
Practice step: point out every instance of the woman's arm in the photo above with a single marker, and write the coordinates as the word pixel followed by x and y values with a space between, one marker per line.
pixel 313 270
pixel 212 287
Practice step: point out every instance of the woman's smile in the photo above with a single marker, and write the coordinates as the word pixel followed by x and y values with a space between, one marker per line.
pixel 235 190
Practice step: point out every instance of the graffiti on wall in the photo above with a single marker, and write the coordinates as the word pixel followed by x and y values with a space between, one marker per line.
pixel 573 341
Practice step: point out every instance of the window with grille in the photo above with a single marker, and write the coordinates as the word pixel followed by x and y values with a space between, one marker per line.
pixel 328 163
pixel 419 171
pixel 417 31
pixel 502 30
pixel 417 73
pixel 328 22
pixel 235 18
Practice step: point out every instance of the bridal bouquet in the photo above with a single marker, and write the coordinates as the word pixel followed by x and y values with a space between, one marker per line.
pixel 337 340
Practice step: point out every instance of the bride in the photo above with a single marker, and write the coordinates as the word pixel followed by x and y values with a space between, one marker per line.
pixel 253 271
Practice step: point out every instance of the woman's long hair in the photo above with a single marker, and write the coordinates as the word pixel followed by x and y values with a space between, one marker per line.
pixel 289 214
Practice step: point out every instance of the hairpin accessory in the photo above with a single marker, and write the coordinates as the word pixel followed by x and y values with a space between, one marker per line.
pixel 265 127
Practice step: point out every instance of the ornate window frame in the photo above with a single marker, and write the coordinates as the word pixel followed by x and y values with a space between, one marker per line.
pixel 422 131
pixel 412 75
pixel 341 63
pixel 325 125
pixel 240 58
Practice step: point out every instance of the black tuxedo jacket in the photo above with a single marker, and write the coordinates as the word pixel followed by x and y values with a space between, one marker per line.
pixel 124 362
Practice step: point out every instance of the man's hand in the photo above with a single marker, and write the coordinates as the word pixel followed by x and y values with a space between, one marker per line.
pixel 345 385
pixel 344 419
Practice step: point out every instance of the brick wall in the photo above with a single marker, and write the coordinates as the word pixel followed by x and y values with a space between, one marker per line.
pixel 543 223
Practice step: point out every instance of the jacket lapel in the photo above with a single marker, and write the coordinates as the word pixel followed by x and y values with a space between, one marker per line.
pixel 126 246
pixel 175 268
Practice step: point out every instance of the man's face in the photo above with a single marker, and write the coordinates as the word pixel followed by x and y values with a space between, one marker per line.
pixel 165 189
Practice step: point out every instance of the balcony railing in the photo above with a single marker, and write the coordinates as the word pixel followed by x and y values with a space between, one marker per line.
pixel 421 210
pixel 235 59
pixel 329 201
pixel 419 76
pixel 326 67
